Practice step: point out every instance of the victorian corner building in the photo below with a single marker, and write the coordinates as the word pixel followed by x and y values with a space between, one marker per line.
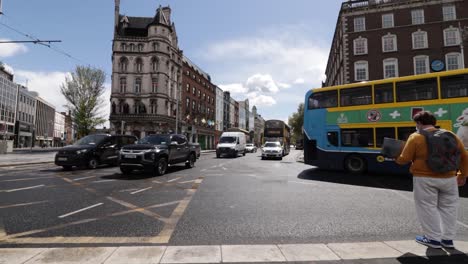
pixel 146 74
pixel 156 89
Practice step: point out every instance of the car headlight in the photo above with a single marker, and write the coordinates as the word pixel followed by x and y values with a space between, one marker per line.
pixel 81 151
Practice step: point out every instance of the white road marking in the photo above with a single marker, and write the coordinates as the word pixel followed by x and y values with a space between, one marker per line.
pixel 27 179
pixel 103 181
pixel 174 179
pixel 223 168
pixel 142 190
pixel 157 182
pixel 25 188
pixel 81 210
pixel 22 204
pixel 203 170
pixel 308 183
pixel 187 181
pixel 78 179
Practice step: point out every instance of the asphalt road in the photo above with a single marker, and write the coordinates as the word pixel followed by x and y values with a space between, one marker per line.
pixel 244 200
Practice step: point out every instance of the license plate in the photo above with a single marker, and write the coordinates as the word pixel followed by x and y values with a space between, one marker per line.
pixel 62 159
pixel 130 156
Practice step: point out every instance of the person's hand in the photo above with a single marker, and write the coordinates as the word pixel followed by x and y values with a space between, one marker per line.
pixel 461 180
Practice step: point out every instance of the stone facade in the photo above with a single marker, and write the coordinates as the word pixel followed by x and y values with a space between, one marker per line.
pixel 146 74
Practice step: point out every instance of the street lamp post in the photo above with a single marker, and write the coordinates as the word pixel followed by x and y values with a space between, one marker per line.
pixel 463 37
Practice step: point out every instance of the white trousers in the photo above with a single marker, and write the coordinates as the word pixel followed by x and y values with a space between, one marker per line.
pixel 436 203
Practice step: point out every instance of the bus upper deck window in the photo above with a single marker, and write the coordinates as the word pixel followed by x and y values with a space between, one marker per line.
pixel 333 138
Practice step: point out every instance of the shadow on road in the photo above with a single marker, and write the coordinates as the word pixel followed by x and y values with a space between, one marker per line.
pixel 383 181
pixel 438 256
pixel 140 174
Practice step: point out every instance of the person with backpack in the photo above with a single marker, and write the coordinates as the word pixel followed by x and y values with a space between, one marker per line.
pixel 435 155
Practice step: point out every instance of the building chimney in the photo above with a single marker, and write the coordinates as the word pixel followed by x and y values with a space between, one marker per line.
pixel 167 14
pixel 116 14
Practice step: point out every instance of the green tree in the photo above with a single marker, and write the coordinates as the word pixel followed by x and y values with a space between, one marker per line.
pixel 296 121
pixel 83 91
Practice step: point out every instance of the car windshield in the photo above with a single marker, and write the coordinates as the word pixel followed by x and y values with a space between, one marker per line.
pixel 154 140
pixel 91 140
pixel 227 140
pixel 272 144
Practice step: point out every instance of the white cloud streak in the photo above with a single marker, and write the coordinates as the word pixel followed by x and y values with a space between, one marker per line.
pixel 11 49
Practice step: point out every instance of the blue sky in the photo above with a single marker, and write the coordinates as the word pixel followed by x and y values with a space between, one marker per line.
pixel 269 51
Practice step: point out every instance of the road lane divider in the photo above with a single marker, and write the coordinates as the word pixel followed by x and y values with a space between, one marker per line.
pixel 25 188
pixel 175 179
pixel 83 178
pixel 141 190
pixel 22 204
pixel 81 210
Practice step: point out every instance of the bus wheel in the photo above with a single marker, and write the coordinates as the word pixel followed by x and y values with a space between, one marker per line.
pixel 355 164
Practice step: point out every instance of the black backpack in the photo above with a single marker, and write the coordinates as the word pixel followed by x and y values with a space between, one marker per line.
pixel 443 152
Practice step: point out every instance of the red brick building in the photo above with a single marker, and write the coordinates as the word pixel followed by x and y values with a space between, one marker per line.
pixel 378 39
pixel 198 105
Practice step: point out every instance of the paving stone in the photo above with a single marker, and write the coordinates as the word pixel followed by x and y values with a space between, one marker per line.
pixel 136 255
pixel 251 253
pixel 192 254
pixel 91 255
pixel 411 247
pixel 363 250
pixel 307 252
pixel 18 255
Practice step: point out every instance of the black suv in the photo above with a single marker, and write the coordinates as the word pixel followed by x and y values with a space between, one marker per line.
pixel 156 152
pixel 93 150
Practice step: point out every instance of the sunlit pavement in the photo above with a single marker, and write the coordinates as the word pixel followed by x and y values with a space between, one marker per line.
pixel 223 210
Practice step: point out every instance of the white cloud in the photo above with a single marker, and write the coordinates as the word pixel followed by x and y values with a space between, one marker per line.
pixel 234 88
pixel 283 54
pixel 261 83
pixel 106 106
pixel 284 85
pixel 47 84
pixel 260 99
pixel 11 49
pixel 299 81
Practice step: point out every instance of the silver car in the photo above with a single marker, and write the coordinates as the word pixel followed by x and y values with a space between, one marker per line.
pixel 272 150
pixel 249 147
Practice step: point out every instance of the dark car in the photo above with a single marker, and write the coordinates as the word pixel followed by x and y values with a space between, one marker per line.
pixel 93 150
pixel 155 152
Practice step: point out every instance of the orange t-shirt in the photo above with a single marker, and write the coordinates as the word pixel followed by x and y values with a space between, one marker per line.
pixel 415 151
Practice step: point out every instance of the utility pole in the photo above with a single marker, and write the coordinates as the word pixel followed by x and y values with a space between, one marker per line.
pixel 122 126
pixel 463 37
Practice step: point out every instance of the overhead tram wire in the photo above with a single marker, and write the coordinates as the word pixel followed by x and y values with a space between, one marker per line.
pixel 38 41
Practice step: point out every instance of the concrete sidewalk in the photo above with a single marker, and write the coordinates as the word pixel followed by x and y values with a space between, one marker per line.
pixel 384 252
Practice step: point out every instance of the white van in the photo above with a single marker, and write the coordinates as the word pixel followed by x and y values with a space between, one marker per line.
pixel 231 144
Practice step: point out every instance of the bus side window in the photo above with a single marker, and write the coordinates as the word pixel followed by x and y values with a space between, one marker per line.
pixel 333 138
pixel 361 137
pixel 382 132
pixel 423 89
pixel 323 100
pixel 405 132
pixel 454 86
pixel 383 93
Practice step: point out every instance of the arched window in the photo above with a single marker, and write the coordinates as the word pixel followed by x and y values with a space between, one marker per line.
pixel 132 47
pixel 139 65
pixel 453 61
pixel 123 64
pixel 389 43
pixel 126 108
pixel 123 85
pixel 419 39
pixel 421 64
pixel 451 36
pixel 123 47
pixel 361 71
pixel 138 85
pixel 154 64
pixel 154 85
pixel 360 46
pixel 153 106
pixel 390 68
pixel 140 47
pixel 155 46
